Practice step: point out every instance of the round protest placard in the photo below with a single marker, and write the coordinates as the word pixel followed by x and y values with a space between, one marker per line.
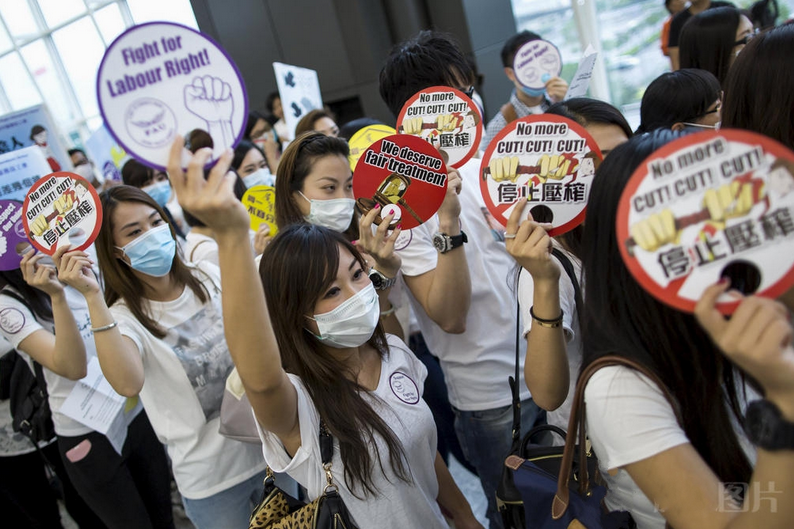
pixel 706 206
pixel 536 62
pixel 161 79
pixel 61 208
pixel 260 201
pixel 363 138
pixel 13 241
pixel 445 117
pixel 405 175
pixel 547 160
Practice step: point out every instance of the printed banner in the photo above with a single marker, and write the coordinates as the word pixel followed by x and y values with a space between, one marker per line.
pixel 405 175
pixel 536 62
pixel 13 241
pixel 710 205
pixel 365 137
pixel 62 208
pixel 546 160
pixel 19 170
pixel 161 79
pixel 108 156
pixel 34 126
pixel 260 201
pixel 446 118
pixel 299 91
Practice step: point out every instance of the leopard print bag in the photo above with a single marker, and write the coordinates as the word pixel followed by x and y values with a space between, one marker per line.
pixel 279 510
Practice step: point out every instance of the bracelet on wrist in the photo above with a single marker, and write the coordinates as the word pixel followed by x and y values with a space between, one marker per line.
pixel 388 312
pixel 552 324
pixel 104 327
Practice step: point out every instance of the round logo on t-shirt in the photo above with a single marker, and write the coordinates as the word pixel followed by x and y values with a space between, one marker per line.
pixel 11 320
pixel 404 388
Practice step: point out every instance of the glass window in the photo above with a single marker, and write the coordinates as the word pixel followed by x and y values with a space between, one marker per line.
pixel 52 87
pixel 17 84
pixel 81 51
pixel 5 40
pixel 56 12
pixel 179 11
pixel 554 21
pixel 19 20
pixel 110 22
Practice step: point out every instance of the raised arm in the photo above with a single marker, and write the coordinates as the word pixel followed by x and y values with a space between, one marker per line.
pixel 118 355
pixel 445 291
pixel 678 481
pixel 249 333
pixel 63 353
pixel 546 370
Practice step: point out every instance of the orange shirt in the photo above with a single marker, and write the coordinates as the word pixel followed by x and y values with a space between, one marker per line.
pixel 665 38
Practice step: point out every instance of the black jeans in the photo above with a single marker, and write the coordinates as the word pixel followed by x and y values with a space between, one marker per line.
pixel 28 501
pixel 127 491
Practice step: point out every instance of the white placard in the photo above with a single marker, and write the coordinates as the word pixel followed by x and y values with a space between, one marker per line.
pixel 581 79
pixel 299 90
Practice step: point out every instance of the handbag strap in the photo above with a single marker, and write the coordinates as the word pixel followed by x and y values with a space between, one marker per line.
pixel 577 288
pixel 578 420
pixel 513 381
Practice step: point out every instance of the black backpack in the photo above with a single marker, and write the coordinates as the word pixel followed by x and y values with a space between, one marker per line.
pixel 27 390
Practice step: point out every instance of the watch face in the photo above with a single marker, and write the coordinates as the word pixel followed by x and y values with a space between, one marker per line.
pixel 377 281
pixel 439 242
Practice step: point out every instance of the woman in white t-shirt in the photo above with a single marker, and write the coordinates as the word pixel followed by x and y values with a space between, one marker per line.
pixel 123 480
pixel 162 339
pixel 320 322
pixel 545 290
pixel 690 475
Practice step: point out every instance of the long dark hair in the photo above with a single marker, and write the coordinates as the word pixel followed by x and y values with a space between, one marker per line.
pixel 586 111
pixel 707 41
pixel 293 168
pixel 299 265
pixel 120 282
pixel 622 318
pixel 677 97
pixel 759 93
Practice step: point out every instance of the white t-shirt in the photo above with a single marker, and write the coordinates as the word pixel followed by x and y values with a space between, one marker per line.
pixel 478 362
pixel 398 401
pixel 17 323
pixel 570 324
pixel 185 374
pixel 200 248
pixel 629 420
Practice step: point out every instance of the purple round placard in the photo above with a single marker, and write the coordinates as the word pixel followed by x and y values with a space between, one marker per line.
pixel 160 79
pixel 12 234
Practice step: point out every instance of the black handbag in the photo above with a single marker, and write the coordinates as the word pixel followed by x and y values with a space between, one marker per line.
pixel 279 510
pixel 508 498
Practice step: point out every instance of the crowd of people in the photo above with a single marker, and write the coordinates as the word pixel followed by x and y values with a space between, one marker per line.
pixel 399 343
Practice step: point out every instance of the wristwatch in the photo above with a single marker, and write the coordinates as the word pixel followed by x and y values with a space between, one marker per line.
pixel 445 243
pixel 380 281
pixel 766 428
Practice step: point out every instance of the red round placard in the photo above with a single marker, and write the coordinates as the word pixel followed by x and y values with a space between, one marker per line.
pixel 547 160
pixel 61 208
pixel 405 175
pixel 445 117
pixel 710 205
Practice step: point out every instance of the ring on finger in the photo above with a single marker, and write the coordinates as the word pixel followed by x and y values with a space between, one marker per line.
pixel 510 235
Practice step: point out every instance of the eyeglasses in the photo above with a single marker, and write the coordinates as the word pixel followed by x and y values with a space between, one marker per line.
pixel 469 91
pixel 747 38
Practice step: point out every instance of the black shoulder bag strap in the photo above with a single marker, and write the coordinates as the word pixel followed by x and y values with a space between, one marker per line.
pixel 577 288
pixel 513 381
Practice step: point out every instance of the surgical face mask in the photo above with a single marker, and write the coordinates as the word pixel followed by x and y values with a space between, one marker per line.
pixel 533 93
pixel 352 323
pixel 334 214
pixel 260 177
pixel 701 126
pixel 86 171
pixel 153 252
pixel 160 192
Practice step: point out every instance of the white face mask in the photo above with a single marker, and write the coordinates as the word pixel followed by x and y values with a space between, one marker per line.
pixel 86 171
pixel 352 323
pixel 260 177
pixel 334 214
